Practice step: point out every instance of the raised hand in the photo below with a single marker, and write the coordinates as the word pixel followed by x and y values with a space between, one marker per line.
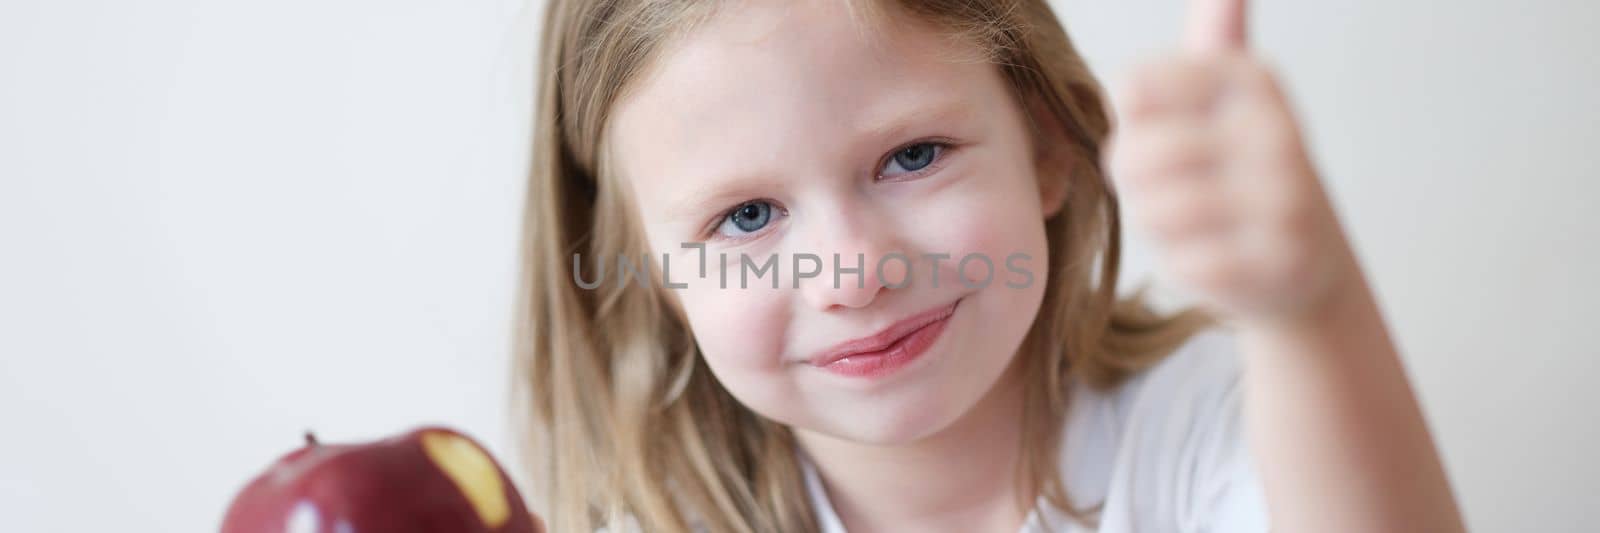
pixel 1210 161
pixel 1208 158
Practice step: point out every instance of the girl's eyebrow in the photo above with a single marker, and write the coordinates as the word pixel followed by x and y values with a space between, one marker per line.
pixel 878 128
pixel 897 118
pixel 718 194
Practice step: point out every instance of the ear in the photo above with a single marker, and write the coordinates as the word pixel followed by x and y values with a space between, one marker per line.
pixel 1053 158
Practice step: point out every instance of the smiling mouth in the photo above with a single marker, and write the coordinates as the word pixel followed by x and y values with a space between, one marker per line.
pixel 888 350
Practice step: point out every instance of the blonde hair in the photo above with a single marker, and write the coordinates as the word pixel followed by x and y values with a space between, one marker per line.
pixel 623 418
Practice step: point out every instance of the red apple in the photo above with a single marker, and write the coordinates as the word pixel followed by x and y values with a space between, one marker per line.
pixel 430 480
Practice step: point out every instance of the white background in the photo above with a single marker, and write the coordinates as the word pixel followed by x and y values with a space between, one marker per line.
pixel 223 223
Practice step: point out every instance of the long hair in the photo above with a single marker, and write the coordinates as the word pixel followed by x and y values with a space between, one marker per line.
pixel 624 425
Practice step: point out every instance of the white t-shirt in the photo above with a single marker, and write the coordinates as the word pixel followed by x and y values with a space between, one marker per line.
pixel 1164 452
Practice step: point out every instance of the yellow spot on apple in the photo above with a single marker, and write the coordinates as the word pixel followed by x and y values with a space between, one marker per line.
pixel 473 472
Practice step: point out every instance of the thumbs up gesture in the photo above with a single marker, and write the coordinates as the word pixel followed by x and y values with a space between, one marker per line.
pixel 1208 159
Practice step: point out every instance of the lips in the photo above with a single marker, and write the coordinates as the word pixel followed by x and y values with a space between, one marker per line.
pixel 889 349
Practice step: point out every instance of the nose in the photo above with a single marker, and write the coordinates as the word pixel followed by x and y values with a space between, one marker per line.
pixel 851 276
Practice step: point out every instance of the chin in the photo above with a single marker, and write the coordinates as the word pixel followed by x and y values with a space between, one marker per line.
pixel 901 422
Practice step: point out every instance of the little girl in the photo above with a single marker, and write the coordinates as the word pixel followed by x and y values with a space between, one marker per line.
pixel 923 193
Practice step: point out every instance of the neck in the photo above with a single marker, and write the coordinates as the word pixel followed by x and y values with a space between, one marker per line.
pixel 962 478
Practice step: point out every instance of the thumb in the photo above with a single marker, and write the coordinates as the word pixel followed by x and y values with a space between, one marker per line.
pixel 1216 26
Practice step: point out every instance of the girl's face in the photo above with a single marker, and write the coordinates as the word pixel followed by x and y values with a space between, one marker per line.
pixel 784 130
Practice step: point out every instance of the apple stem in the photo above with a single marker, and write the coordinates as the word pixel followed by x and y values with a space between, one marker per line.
pixel 311 438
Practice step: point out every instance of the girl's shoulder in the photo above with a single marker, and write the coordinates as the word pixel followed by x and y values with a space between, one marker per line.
pixel 1204 369
pixel 1168 444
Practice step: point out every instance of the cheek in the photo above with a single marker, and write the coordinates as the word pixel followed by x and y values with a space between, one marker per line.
pixel 741 332
pixel 741 336
pixel 994 216
pixel 994 212
pixel 737 328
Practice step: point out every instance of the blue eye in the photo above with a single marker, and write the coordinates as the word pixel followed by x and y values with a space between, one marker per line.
pixel 911 159
pixel 748 218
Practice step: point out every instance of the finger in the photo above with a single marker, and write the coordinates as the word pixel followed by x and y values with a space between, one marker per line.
pixel 1208 266
pixel 1258 112
pixel 1216 26
pixel 1145 156
pixel 1171 86
pixel 1184 212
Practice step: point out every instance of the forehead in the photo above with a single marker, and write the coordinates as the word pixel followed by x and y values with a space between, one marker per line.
pixel 761 80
